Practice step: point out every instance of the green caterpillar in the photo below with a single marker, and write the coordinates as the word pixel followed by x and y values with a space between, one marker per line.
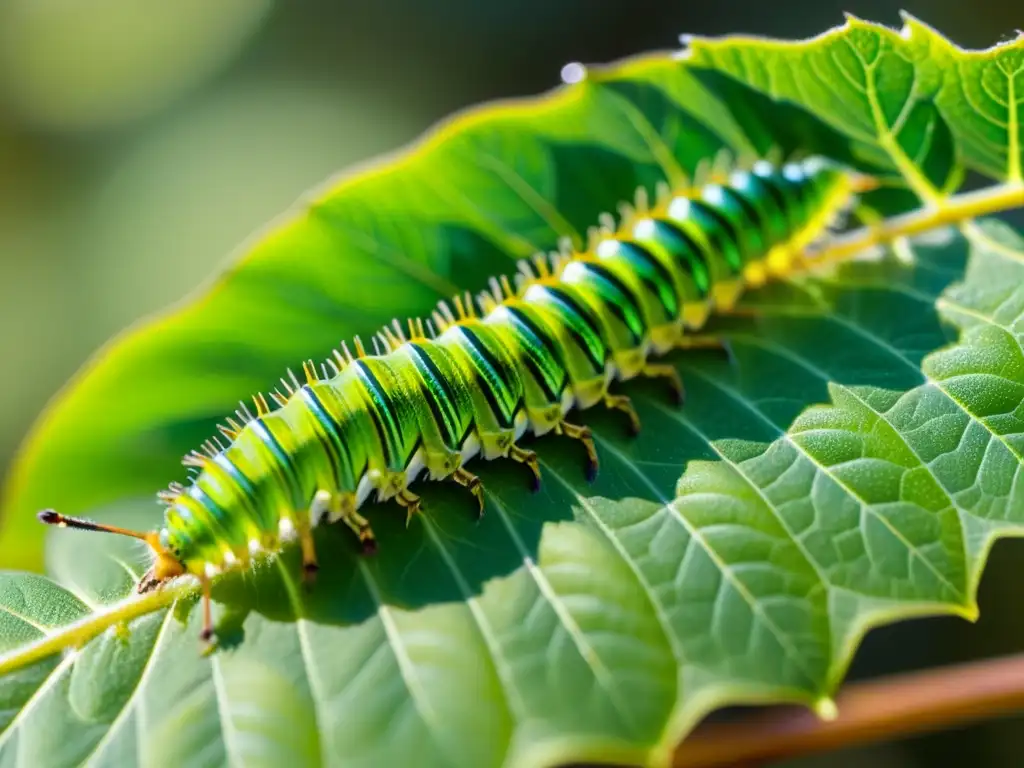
pixel 480 374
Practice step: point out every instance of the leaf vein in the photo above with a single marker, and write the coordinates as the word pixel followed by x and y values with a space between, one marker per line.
pixel 696 536
pixel 406 667
pixel 228 732
pixel 529 195
pixel 659 609
pixel 514 702
pixel 130 702
pixel 586 651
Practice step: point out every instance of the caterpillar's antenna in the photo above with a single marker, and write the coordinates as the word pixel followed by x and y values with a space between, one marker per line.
pixel 51 517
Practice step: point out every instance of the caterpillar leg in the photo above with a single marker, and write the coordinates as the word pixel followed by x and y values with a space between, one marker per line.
pixel 624 404
pixel 206 634
pixel 411 503
pixel 707 341
pixel 309 563
pixel 471 482
pixel 529 458
pixel 746 311
pixel 670 374
pixel 359 525
pixel 319 507
pixel 583 434
pixel 147 583
pixel 702 341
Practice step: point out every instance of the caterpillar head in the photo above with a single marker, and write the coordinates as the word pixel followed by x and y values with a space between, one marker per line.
pixel 166 564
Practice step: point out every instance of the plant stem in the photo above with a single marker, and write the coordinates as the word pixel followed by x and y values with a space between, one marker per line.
pixel 870 711
pixel 958 208
pixel 78 633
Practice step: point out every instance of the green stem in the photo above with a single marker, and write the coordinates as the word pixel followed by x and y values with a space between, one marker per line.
pixel 78 633
pixel 868 712
pixel 953 210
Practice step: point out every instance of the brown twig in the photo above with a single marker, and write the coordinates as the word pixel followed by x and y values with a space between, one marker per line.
pixel 870 711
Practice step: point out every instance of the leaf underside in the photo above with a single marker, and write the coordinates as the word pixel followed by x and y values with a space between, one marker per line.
pixel 591 621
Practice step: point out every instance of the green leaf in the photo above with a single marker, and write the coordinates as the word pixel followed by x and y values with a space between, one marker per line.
pixel 605 621
pixel 594 621
pixel 910 99
pixel 30 607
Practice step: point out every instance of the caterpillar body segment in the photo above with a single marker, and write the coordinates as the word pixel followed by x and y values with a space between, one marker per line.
pixel 484 371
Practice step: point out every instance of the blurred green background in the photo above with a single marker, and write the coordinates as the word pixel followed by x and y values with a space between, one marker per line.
pixel 140 142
